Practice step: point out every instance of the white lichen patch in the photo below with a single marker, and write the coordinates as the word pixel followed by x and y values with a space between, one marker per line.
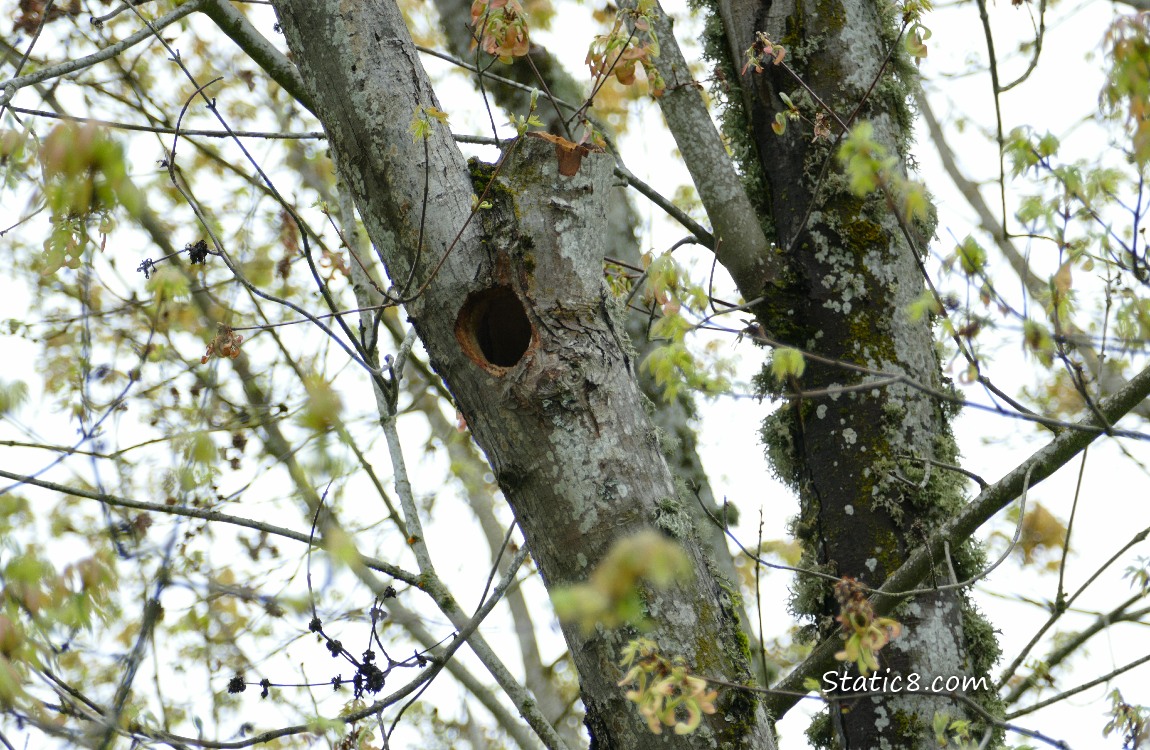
pixel 850 436
pixel 881 720
pixel 821 411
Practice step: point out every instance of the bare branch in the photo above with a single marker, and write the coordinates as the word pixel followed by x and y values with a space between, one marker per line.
pixel 9 88
pixel 990 501
pixel 265 54
pixel 743 249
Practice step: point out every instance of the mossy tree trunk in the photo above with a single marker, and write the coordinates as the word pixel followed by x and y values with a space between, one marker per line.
pixel 850 274
pixel 515 318
pixel 838 282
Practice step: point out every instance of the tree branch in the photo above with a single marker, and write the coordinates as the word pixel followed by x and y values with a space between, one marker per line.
pixel 990 501
pixel 742 247
pixel 394 571
pixel 1109 378
pixel 9 88
pixel 275 63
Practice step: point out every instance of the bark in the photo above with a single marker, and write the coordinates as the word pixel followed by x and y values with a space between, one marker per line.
pixel 843 276
pixel 469 468
pixel 674 418
pixel 851 274
pixel 515 319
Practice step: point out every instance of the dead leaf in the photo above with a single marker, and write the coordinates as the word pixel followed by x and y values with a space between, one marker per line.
pixel 570 155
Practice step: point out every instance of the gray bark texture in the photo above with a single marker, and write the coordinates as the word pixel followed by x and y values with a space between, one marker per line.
pixel 514 316
pixel 674 418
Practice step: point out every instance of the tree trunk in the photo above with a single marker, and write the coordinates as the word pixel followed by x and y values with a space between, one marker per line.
pixel 851 274
pixel 515 319
pixel 838 282
pixel 674 417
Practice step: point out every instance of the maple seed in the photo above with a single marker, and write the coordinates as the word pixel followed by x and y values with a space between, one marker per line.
pixel 225 344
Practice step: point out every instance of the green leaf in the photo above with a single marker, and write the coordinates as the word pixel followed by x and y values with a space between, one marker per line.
pixel 971 256
pixel 168 284
pixel 202 449
pixel 787 363
pixel 1047 146
pixel 323 405
pixel 915 41
pixel 12 395
pixel 1038 341
pixel 915 205
pixel 925 305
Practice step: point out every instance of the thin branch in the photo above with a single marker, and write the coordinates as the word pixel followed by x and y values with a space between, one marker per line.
pixel 1009 671
pixel 462 636
pixel 970 703
pixel 1084 686
pixel 884 378
pixel 1039 36
pixel 1032 283
pixel 989 502
pixel 265 135
pixel 259 50
pixel 996 90
pixel 1071 645
pixel 430 582
pixel 745 251
pixel 9 87
pixel 206 515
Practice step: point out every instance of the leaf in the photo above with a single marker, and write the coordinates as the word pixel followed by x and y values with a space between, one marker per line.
pixel 202 449
pixel 787 363
pixel 1062 280
pixel 1047 146
pixel 341 546
pixel 1038 341
pixel 436 114
pixel 323 406
pixel 926 304
pixel 13 394
pixel 421 119
pixel 915 205
pixel 915 41
pixel 569 155
pixel 971 256
pixel 611 597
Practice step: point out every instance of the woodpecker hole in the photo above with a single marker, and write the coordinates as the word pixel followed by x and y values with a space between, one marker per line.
pixel 493 328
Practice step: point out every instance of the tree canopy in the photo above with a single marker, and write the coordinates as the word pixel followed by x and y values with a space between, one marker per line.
pixel 358 354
